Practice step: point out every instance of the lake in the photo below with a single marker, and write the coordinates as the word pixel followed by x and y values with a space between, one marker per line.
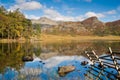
pixel 48 57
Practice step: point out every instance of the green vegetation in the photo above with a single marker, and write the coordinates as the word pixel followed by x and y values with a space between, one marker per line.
pixel 13 25
pixel 37 29
pixel 113 30
pixel 108 30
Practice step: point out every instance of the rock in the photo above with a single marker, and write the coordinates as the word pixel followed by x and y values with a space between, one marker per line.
pixel 62 71
pixel 40 61
pixel 84 63
pixel 27 58
pixel 100 66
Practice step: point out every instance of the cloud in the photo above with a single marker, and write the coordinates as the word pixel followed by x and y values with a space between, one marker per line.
pixel 55 15
pixel 80 18
pixel 90 14
pixel 32 16
pixel 111 12
pixel 26 5
pixel 67 9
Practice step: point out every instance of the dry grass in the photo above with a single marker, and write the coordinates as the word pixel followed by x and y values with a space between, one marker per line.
pixel 47 38
pixel 55 38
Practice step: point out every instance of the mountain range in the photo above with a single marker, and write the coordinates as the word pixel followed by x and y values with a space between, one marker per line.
pixel 89 26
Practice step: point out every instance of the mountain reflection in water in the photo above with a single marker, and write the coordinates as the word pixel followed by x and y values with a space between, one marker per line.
pixel 47 59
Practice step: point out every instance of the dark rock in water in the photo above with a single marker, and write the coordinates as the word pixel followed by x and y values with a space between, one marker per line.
pixel 62 71
pixel 85 67
pixel 100 66
pixel 40 61
pixel 27 58
pixel 84 63
pixel 43 63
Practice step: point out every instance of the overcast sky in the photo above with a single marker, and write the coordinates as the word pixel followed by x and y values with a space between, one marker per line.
pixel 67 10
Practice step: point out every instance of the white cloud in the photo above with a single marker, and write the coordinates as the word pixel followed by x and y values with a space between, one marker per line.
pixel 26 5
pixel 53 14
pixel 80 18
pixel 111 12
pixel 67 9
pixel 90 14
pixel 32 16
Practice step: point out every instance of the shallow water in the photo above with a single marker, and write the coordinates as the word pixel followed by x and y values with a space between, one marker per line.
pixel 48 57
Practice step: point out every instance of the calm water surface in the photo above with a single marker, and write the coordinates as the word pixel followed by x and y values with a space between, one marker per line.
pixel 48 57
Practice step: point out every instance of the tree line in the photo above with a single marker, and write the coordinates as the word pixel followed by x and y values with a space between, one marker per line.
pixel 13 25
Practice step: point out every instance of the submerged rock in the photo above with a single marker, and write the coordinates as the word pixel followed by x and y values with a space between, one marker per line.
pixel 101 66
pixel 62 71
pixel 83 63
pixel 27 58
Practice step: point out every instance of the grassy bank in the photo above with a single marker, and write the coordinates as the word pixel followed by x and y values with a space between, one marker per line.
pixel 53 38
pixel 56 38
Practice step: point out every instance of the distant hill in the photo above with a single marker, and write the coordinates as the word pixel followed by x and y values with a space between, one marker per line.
pixel 89 26
pixel 44 20
pixel 114 23
pixel 113 28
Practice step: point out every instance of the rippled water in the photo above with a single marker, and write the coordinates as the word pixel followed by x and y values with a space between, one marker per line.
pixel 48 57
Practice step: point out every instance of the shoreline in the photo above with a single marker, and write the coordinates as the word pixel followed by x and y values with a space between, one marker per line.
pixel 56 38
pixel 52 38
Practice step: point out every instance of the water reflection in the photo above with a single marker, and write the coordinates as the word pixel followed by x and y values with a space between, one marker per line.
pixel 11 54
pixel 47 59
pixel 76 48
pixel 36 70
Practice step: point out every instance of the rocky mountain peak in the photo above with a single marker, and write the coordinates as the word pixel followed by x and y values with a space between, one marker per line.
pixel 91 20
pixel 44 20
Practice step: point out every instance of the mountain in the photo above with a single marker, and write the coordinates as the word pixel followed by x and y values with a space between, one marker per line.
pixel 92 22
pixel 114 23
pixel 44 20
pixel 113 28
pixel 89 26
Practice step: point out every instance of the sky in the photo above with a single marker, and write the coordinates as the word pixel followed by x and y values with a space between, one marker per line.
pixel 66 10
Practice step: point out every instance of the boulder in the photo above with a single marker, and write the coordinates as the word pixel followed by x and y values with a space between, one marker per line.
pixel 62 71
pixel 83 63
pixel 27 58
